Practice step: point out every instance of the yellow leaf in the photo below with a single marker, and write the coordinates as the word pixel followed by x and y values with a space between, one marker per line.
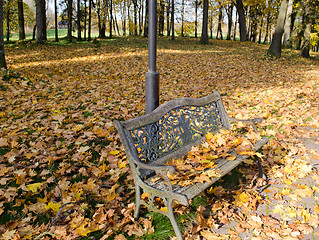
pixel 316 208
pixel 305 215
pixel 54 206
pixel 236 142
pixel 164 209
pixel 82 230
pixel 111 196
pixel 209 136
pixel 144 195
pixel 231 158
pixel 114 152
pixel 259 155
pixel 286 191
pixel 34 187
pixel 122 164
pixel 211 157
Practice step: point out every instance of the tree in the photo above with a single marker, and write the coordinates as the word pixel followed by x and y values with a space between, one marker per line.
pixel 21 20
pixel 196 3
pixel 310 14
pixel 2 55
pixel 172 20
pixel 69 9
pixel 56 21
pixel 242 20
pixel 168 6
pixel 219 34
pixel 275 46
pixel 229 11
pixel 90 19
pixel 204 36
pixel 8 18
pixel 40 21
pixel 286 38
pixel 85 16
pixel 79 19
pixel 182 15
pixel 161 18
pixel 111 18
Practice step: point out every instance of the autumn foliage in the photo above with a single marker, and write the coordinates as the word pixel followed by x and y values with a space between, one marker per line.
pixel 63 171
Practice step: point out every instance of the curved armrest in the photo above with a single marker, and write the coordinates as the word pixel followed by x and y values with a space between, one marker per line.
pixel 252 121
pixel 159 170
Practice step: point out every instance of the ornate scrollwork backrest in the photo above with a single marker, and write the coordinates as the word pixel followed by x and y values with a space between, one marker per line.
pixel 176 128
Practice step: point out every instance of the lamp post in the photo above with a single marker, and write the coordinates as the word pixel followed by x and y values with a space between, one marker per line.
pixel 151 77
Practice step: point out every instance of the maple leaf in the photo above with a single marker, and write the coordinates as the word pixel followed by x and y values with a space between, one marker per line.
pixel 54 206
pixel 10 235
pixel 211 236
pixel 34 187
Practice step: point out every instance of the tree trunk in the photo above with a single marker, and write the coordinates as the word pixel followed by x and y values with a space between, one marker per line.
pixel 90 19
pixel 182 15
pixel 230 20
pixel 196 13
pixel 219 34
pixel 286 37
pixel 146 19
pixel 135 16
pixel 39 21
pixel 235 27
pixel 116 26
pixel 124 18
pixel 79 20
pixel 44 29
pixel 70 8
pixel 56 21
pixel 305 42
pixel 85 16
pixel 34 31
pixel 172 20
pixel 211 24
pixel 161 18
pixel 275 46
pixel 111 17
pixel 260 32
pixel 21 20
pixel 8 21
pixel 242 20
pixel 204 36
pixel 2 55
pixel 140 17
pixel 267 29
pixel 167 17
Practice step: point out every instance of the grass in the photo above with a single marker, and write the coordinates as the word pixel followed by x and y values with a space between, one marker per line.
pixel 62 33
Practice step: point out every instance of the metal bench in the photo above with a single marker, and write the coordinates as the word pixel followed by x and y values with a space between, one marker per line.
pixel 169 132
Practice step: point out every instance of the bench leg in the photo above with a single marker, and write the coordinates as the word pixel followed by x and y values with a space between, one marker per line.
pixel 261 173
pixel 173 220
pixel 137 201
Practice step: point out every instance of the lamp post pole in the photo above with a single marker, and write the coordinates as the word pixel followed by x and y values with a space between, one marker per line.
pixel 151 77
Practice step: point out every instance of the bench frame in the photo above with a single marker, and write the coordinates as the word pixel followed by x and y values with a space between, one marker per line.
pixel 146 131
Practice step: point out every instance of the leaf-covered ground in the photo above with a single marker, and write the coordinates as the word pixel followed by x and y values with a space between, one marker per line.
pixel 63 171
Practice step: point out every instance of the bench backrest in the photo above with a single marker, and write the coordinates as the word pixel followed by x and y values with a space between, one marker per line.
pixel 172 128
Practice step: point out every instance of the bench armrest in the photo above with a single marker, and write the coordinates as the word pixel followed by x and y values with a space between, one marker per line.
pixel 252 121
pixel 161 171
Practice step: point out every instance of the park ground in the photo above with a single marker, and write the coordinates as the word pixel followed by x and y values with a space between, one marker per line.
pixel 63 171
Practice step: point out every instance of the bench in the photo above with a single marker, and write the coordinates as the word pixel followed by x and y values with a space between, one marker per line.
pixel 169 132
